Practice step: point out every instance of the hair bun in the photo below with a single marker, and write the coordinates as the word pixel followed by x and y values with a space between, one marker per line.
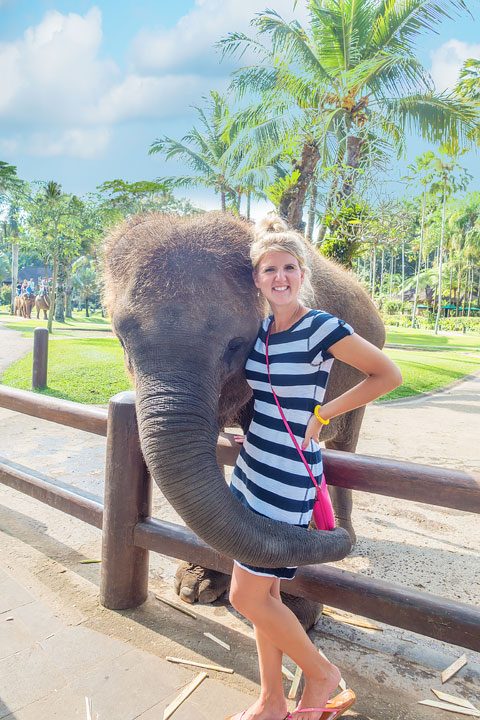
pixel 271 223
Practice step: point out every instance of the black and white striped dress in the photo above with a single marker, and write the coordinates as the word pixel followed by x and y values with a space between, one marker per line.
pixel 269 476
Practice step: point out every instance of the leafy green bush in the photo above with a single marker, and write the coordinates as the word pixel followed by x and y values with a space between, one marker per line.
pixel 391 307
pixel 5 295
pixel 462 324
pixel 427 322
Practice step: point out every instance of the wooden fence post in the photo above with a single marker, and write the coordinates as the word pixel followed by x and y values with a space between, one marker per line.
pixel 128 500
pixel 40 358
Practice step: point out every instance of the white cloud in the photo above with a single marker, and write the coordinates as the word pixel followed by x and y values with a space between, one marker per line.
pixel 74 142
pixel 448 59
pixel 63 98
pixel 53 73
pixel 190 42
pixel 149 96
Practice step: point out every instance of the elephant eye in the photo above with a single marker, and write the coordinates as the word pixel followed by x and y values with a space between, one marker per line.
pixel 232 352
pixel 235 345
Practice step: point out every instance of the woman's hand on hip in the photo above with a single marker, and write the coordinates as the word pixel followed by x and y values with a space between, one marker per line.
pixel 312 432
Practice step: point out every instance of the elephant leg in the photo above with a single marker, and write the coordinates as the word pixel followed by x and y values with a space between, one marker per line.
pixel 307 611
pixel 346 441
pixel 193 583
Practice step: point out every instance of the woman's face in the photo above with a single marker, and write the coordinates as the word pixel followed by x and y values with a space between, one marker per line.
pixel 279 278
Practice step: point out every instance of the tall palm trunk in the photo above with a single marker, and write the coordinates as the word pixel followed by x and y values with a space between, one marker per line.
pixel 312 209
pixel 293 200
pixel 60 292
pixel 374 270
pixel 249 202
pixel 352 162
pixel 332 192
pixel 390 286
pixel 440 262
pixel 51 309
pixel 14 275
pixel 223 200
pixel 403 271
pixel 419 264
pixel 471 290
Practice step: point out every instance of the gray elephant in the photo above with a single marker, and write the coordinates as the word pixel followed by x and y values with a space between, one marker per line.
pixel 185 309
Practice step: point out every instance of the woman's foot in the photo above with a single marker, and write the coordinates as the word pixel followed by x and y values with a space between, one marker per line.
pixel 317 692
pixel 263 710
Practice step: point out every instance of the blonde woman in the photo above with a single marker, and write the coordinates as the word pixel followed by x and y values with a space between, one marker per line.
pixel 270 477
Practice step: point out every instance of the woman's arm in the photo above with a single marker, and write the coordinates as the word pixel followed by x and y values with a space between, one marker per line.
pixel 382 377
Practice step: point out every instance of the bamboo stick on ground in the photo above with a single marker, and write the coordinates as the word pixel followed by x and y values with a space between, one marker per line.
pixel 450 708
pixel 175 606
pixel 289 675
pixel 296 682
pixel 350 620
pixel 452 669
pixel 217 640
pixel 218 668
pixel 453 700
pixel 186 692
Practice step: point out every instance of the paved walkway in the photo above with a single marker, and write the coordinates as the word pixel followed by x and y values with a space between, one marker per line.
pixel 49 667
pixel 12 347
pixel 58 646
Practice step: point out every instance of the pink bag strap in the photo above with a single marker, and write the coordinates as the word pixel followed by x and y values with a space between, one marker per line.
pixel 282 415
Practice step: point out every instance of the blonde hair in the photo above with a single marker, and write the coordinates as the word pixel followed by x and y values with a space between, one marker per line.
pixel 273 233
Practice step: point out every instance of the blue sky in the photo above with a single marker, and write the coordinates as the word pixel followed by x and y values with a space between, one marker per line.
pixel 86 87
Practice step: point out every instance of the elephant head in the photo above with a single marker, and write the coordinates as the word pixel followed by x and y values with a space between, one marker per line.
pixel 184 307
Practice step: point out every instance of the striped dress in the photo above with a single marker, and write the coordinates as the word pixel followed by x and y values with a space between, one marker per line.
pixel 269 477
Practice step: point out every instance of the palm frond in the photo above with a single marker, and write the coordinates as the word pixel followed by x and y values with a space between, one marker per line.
pixel 237 43
pixel 291 41
pixel 398 23
pixel 437 117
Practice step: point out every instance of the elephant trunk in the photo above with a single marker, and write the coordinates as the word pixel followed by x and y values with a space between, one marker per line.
pixel 178 432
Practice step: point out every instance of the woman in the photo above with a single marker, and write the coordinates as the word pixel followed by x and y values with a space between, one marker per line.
pixel 270 477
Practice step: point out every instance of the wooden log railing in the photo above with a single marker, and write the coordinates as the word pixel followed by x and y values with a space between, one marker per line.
pixel 129 533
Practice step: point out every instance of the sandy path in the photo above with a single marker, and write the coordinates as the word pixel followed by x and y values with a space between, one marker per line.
pixel 420 546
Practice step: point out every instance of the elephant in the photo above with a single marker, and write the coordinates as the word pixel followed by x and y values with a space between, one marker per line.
pixel 17 305
pixel 42 303
pixel 26 305
pixel 183 304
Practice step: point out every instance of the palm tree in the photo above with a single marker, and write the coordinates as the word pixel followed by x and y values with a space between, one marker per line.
pixel 207 151
pixel 448 177
pixel 52 196
pixel 9 186
pixel 349 81
pixel 420 171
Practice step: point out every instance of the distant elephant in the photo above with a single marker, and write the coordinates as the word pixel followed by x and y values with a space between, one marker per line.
pixel 42 303
pixel 17 305
pixel 26 305
pixel 184 307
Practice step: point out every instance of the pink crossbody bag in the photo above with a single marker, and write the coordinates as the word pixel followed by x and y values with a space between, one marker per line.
pixel 322 509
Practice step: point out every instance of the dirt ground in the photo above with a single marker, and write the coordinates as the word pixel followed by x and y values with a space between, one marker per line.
pixel 419 546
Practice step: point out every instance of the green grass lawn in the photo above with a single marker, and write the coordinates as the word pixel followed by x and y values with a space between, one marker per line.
pixel 428 340
pixel 91 370
pixel 424 371
pixel 84 370
pixel 79 323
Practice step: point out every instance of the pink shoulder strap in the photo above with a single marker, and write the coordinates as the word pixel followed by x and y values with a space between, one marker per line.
pixel 282 415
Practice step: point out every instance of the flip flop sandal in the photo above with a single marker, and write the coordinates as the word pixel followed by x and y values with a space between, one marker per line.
pixel 241 716
pixel 334 708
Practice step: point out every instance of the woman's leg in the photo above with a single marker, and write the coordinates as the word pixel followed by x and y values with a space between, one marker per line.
pixel 271 704
pixel 280 626
pixel 270 665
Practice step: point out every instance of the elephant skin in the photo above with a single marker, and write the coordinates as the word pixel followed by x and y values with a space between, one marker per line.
pixel 42 304
pixel 183 304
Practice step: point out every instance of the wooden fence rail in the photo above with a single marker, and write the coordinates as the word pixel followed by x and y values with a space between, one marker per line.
pixel 128 531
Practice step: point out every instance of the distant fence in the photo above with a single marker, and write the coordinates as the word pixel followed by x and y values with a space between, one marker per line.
pixel 129 532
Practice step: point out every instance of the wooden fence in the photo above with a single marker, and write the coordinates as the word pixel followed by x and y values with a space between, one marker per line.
pixel 129 532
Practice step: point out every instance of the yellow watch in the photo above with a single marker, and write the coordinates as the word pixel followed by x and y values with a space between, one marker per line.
pixel 316 412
